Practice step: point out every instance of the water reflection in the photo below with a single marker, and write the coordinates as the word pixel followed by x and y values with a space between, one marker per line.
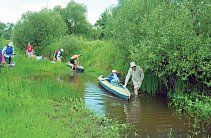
pixel 133 111
pixel 150 115
pixel 94 98
pixel 75 79
pixel 59 79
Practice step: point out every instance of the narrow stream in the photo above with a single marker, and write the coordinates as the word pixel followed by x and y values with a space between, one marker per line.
pixel 150 115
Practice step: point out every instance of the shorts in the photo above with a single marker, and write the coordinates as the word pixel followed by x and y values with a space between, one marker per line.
pixel 72 61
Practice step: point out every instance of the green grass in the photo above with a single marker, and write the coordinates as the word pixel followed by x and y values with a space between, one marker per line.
pixel 33 103
pixel 195 105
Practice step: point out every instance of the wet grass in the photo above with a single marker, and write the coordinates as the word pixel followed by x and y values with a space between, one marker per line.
pixel 45 107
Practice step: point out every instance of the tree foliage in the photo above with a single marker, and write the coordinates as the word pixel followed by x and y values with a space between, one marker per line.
pixel 74 15
pixel 168 38
pixel 6 30
pixel 101 22
pixel 2 28
pixel 39 28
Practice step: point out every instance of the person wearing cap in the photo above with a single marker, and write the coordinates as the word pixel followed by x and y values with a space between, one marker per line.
pixel 137 76
pixel 55 55
pixel 59 55
pixel 29 50
pixel 72 60
pixel 8 52
pixel 1 57
pixel 114 77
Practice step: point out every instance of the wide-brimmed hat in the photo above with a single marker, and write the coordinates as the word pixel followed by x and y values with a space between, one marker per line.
pixel 62 50
pixel 113 71
pixel 132 64
pixel 10 44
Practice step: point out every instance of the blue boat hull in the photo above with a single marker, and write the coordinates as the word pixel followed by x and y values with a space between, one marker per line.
pixel 118 91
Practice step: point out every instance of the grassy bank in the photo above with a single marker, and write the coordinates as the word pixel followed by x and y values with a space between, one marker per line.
pixel 98 57
pixel 34 106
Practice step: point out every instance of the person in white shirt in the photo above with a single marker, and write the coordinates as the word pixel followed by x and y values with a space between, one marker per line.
pixel 137 76
pixel 59 55
pixel 8 52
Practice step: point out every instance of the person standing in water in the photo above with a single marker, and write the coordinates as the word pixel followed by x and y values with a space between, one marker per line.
pixel 137 76
pixel 72 61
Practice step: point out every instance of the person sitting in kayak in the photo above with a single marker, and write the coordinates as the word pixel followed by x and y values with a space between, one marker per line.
pixel 72 60
pixel 114 77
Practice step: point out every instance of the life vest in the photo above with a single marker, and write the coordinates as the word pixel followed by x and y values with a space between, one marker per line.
pixel 9 50
pixel 111 76
pixel 56 53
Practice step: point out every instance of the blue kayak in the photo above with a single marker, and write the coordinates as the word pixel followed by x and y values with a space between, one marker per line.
pixel 114 88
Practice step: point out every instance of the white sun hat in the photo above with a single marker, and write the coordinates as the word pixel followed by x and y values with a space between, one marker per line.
pixel 113 71
pixel 132 64
pixel 10 44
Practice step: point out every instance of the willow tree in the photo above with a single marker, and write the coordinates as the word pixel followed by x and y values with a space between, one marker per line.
pixel 39 28
pixel 2 28
pixel 123 26
pixel 75 16
pixel 169 38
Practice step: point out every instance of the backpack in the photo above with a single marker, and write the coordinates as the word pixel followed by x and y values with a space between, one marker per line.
pixel 56 53
pixel 60 53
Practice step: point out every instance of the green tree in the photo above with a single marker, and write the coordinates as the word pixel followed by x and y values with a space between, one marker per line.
pixel 171 39
pixel 123 26
pixel 101 22
pixel 97 33
pixel 8 31
pixel 39 28
pixel 58 9
pixel 75 17
pixel 2 28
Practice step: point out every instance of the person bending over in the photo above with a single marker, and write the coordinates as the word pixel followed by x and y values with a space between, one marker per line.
pixel 72 61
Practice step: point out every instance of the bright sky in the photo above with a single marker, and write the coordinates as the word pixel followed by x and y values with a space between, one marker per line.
pixel 11 10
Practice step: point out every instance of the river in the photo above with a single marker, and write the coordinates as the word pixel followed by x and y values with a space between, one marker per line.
pixel 150 114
